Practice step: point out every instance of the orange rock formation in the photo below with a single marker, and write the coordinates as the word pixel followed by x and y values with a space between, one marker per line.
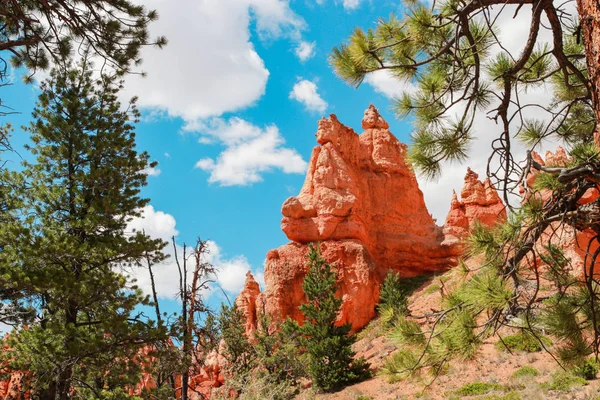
pixel 361 201
pixel 480 203
pixel 247 302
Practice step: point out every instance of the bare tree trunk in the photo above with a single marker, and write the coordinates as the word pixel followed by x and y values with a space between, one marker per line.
pixel 154 294
pixel 184 315
pixel 589 14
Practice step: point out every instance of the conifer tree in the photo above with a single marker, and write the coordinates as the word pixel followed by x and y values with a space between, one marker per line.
pixel 331 363
pixel 36 33
pixel 62 253
pixel 460 69
pixel 240 352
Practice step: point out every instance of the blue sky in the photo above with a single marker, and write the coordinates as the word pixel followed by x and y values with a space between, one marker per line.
pixel 230 109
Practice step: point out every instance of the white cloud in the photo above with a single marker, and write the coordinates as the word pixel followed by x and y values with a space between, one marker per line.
pixel 209 66
pixel 250 151
pixel 154 223
pixel 385 83
pixel 231 272
pixel 4 328
pixel 351 4
pixel 151 171
pixel 305 92
pixel 305 50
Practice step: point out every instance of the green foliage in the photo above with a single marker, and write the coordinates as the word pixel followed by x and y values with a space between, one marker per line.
pixel 458 72
pixel 546 181
pixel 65 250
pixel 508 396
pixel 407 333
pixel 400 365
pixel 587 370
pixel 564 382
pixel 525 371
pixel 328 347
pixel 561 319
pixel 255 385
pixel 239 352
pixel 115 30
pixel 394 293
pixel 477 388
pixel 279 353
pixel 523 341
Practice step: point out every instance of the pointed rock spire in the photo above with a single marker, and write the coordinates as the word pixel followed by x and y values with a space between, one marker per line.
pixel 373 120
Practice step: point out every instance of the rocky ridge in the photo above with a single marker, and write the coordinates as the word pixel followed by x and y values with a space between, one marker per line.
pixel 361 202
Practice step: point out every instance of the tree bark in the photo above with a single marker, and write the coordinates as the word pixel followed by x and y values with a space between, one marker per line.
pixel 589 18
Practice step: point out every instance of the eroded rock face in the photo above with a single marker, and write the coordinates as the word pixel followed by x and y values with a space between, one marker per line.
pixel 479 202
pixel 356 278
pixel 361 201
pixel 247 304
pixel 361 187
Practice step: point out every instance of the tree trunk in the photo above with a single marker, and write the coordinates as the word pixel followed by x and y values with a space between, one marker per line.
pixel 589 15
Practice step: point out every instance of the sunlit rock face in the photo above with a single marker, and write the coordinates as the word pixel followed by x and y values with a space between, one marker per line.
pixel 480 203
pixel 362 203
pixel 247 303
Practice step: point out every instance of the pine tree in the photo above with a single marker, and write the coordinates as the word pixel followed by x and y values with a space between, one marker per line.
pixel 63 251
pixel 239 352
pixel 331 363
pixel 38 33
pixel 460 70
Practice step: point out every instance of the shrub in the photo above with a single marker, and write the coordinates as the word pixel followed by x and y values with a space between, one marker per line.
pixel 400 365
pixel 524 341
pixel 477 388
pixel 525 371
pixel 395 290
pixel 587 370
pixel 563 382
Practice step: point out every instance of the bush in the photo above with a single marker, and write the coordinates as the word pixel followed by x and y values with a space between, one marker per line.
pixel 524 341
pixel 477 388
pixel 400 365
pixel 563 382
pixel 588 370
pixel 395 290
pixel 525 371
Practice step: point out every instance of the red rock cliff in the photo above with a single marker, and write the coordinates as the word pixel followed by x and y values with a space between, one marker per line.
pixel 361 201
pixel 480 203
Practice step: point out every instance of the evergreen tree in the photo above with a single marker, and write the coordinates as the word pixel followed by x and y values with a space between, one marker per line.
pixel 331 363
pixel 460 69
pixel 239 352
pixel 38 32
pixel 63 251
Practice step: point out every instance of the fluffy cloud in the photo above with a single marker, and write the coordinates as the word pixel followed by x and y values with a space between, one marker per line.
pixel 152 171
pixel 210 65
pixel 383 82
pixel 249 152
pixel 305 50
pixel 351 4
pixel 305 92
pixel 348 4
pixel 230 275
